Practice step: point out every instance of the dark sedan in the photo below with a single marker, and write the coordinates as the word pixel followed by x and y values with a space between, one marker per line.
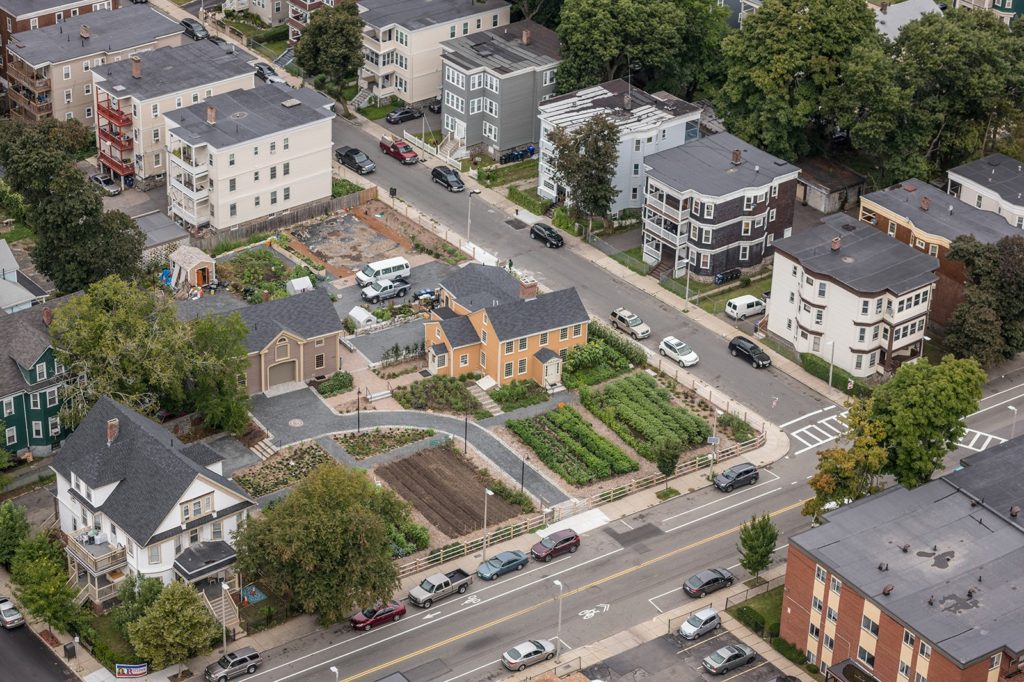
pixel 558 543
pixel 403 115
pixel 447 178
pixel 378 614
pixel 502 563
pixel 708 581
pixel 547 234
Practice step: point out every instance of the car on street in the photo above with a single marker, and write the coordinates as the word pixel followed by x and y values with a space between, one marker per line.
pixel 742 347
pixel 630 323
pixel 378 614
pixel 435 106
pixel 383 289
pixel 398 148
pixel 700 622
pixel 439 586
pixel 10 616
pixel 557 543
pixel 502 563
pixel 194 30
pixel 673 348
pixel 735 476
pixel 232 665
pixel 353 158
pixel 547 234
pixel 729 658
pixel 265 72
pixel 447 178
pixel 402 115
pixel 708 581
pixel 107 184
pixel 526 654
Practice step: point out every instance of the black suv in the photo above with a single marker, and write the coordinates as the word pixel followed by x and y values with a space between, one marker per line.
pixel 194 30
pixel 743 347
pixel 403 115
pixel 735 476
pixel 547 234
pixel 447 178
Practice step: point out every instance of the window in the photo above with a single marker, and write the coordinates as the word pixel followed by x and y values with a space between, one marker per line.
pixel 41 371
pixel 217 530
pixel 231 185
pixel 636 169
pixel 994 661
pixel 818 316
pixel 694 232
pixel 748 203
pixel 744 251
pixel 977 201
pixel 904 670
pixel 490 82
pixel 544 339
pixel 828 642
pixel 51 397
pixel 745 228
pixel 918 677
pixel 706 237
pixel 563 333
pixel 454 77
pixel 284 144
pixel 522 366
pixel 908 638
pixel 318 361
pixel 286 193
pixel 549 78
pixel 490 131
pixel 814 631
pixel 508 370
pixel 816 604
pixel 933 250
pixel 154 554
pixel 522 343
pixel 8 406
pixel 463 359
pixel 869 625
pixel 709 210
pixel 490 106
pixel 483 359
pixel 832 614
pixel 451 31
pixel 273 197
pixel 476 105
pixel 67 72
pixel 822 287
pixel 866 656
pixel 771 216
pixel 775 190
pixel 233 210
pixel 494 20
pixel 68 95
pixel 442 360
pixel 924 650
pixel 11 434
pixel 705 261
pixel 509 347
pixel 577 329
pixel 256 201
pixel 483 336
pixel 819 574
pixel 34 401
pixel 273 172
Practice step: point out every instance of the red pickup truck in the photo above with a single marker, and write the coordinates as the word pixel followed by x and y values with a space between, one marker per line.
pixel 399 149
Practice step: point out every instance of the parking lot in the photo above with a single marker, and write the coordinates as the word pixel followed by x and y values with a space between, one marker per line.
pixel 673 658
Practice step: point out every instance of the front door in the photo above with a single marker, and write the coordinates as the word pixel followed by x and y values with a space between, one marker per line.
pixel 553 372
pixel 460 129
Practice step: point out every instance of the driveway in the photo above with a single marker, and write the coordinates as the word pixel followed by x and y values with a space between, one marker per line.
pixel 426 276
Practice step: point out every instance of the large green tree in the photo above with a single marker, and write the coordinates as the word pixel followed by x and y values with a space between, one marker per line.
pixel 584 162
pixel 135 595
pixel 5 459
pixel 325 546
pixel 331 45
pixel 220 358
pixel 40 576
pixel 14 528
pixel 757 544
pixel 176 627
pixel 33 153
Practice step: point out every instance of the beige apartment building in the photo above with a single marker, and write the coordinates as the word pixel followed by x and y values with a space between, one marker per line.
pixel 247 155
pixel 271 12
pixel 402 42
pixel 50 69
pixel 132 97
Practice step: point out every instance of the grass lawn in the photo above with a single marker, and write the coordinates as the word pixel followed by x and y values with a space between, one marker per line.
pixel 495 176
pixel 378 112
pixel 271 50
pixel 431 137
pixel 19 232
pixel 108 633
pixel 342 188
pixel 633 259
pixel 768 604
pixel 248 29
pixel 715 303
pixel 349 92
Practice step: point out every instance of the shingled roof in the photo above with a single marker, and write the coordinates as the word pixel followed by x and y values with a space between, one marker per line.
pixel 477 286
pixel 560 308
pixel 24 337
pixel 307 315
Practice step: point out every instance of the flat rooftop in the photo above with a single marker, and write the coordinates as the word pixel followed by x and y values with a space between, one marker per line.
pixel 890 22
pixel 159 229
pixel 502 50
pixel 1000 173
pixel 946 216
pixel 417 14
pixel 867 260
pixel 108 31
pixel 19 8
pixel 951 542
pixel 244 115
pixel 631 109
pixel 168 70
pixel 706 166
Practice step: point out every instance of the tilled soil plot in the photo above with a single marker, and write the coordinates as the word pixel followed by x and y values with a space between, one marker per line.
pixel 445 488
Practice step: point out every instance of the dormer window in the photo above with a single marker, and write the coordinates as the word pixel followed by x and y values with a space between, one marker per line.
pixel 41 371
pixel 193 509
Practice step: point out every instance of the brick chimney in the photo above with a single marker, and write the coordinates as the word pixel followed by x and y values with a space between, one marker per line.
pixel 84 33
pixel 47 316
pixel 836 243
pixel 528 288
pixel 113 426
pixel 211 114
pixel 136 66
pixel 924 203
pixel 737 157
pixel 526 37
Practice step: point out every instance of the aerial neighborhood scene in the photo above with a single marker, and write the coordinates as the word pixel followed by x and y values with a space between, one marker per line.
pixel 475 340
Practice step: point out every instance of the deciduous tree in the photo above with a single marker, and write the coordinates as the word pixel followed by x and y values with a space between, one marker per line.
pixel 667 461
pixel 40 576
pixel 176 627
pixel 220 357
pixel 134 596
pixel 14 528
pixel 584 162
pixel 325 546
pixel 332 44
pixel 757 544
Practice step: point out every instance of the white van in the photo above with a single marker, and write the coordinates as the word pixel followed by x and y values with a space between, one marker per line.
pixel 392 268
pixel 742 307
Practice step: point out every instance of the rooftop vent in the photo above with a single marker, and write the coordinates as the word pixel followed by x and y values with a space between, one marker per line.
pixel 1014 510
pixel 970 593
pixel 887 590
pixel 289 103
pixel 883 567
pixel 526 37
pixel 931 600
pixel 849 227
pixel 905 548
pixel 737 157
pixel 836 243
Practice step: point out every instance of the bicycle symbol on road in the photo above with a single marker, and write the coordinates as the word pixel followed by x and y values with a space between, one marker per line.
pixel 471 600
pixel 587 614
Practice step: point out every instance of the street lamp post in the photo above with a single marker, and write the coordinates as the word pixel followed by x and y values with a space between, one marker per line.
pixel 558 635
pixel 224 613
pixel 334 669
pixel 358 401
pixel 469 211
pixel 1013 427
pixel 465 436
pixel 831 362
pixel 522 476
pixel 487 493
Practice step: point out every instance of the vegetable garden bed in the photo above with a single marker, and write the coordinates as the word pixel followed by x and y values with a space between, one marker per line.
pixel 605 356
pixel 282 470
pixel 441 394
pixel 641 413
pixel 570 447
pixel 519 394
pixel 370 443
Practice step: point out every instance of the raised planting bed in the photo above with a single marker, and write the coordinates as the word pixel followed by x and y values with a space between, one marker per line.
pixel 519 394
pixel 370 443
pixel 339 382
pixel 283 469
pixel 606 355
pixel 258 270
pixel 641 413
pixel 441 394
pixel 570 447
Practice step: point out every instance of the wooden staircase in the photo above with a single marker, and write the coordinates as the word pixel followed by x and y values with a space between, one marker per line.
pixel 223 609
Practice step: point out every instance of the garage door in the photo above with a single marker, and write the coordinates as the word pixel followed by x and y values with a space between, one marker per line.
pixel 283 373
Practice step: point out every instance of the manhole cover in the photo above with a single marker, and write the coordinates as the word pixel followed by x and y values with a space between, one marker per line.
pixel 295 423
pixel 516 224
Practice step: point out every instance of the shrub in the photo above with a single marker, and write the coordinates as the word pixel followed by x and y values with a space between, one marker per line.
pixel 338 383
pixel 634 352
pixel 741 430
pixel 666 494
pixel 790 651
pixel 440 393
pixel 375 441
pixel 840 378
pixel 751 618
pixel 773 630
pixel 519 394
pixel 272 35
pixel 528 200
pixel 812 668
pixel 231 244
pixel 511 495
pixel 342 188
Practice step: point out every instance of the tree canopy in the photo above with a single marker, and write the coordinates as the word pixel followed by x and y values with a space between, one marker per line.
pixel 331 45
pixel 176 627
pixel 584 162
pixel 14 528
pixel 757 544
pixel 135 595
pixel 325 546
pixel 40 576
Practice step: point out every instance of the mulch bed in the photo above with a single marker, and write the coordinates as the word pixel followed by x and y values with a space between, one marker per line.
pixel 49 638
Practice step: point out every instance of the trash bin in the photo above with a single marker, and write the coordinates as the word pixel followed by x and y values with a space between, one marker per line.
pixel 69 650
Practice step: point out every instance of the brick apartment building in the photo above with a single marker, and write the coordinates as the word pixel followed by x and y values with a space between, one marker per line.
pixel 916 585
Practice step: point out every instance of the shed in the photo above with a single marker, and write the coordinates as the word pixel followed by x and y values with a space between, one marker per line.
pixel 162 234
pixel 827 186
pixel 192 267
pixel 298 285
pixel 361 317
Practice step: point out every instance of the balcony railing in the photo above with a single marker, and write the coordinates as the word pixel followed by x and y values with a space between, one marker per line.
pixel 30 104
pixel 294 23
pixel 122 142
pixel 665 235
pixel 120 166
pixel 196 192
pixel 98 558
pixel 118 117
pixel 304 5
pixel 32 79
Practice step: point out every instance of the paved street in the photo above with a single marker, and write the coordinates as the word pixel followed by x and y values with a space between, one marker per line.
pixel 23 656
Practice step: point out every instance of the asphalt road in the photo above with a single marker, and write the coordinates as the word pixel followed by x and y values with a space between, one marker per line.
pixel 560 268
pixel 23 656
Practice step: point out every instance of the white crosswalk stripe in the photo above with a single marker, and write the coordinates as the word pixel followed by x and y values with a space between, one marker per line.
pixel 978 441
pixel 834 426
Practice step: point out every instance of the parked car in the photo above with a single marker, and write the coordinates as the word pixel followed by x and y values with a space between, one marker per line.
pixel 435 106
pixel 216 40
pixel 439 586
pixel 630 323
pixel 10 616
pixel 528 653
pixel 742 307
pixel 735 476
pixel 195 30
pixel 265 72
pixel 729 658
pixel 427 297
pixel 705 582
pixel 353 158
pixel 743 347
pixel 701 622
pixel 398 148
pixel 556 544
pixel 383 289
pixel 377 614
pixel 107 184
pixel 671 347
pixel 402 115
pixel 241 662
pixel 447 178
pixel 547 234
pixel 502 563
pixel 727 276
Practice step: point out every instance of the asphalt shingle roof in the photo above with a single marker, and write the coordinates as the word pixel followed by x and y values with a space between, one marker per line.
pixel 1000 173
pixel 151 467
pixel 557 309
pixel 867 260
pixel 459 331
pixel 307 315
pixel 23 338
pixel 476 286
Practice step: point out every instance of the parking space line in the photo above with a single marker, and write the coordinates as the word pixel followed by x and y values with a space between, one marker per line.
pixel 701 641
pixel 659 596
pixel 470 672
pixel 744 672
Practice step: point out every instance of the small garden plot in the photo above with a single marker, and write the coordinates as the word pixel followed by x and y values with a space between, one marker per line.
pixel 641 413
pixel 445 487
pixel 258 270
pixel 370 443
pixel 519 394
pixel 441 394
pixel 571 448
pixel 605 356
pixel 281 470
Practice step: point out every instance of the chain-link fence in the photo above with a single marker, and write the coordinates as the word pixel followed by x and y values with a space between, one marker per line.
pixel 737 599
pixel 624 257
